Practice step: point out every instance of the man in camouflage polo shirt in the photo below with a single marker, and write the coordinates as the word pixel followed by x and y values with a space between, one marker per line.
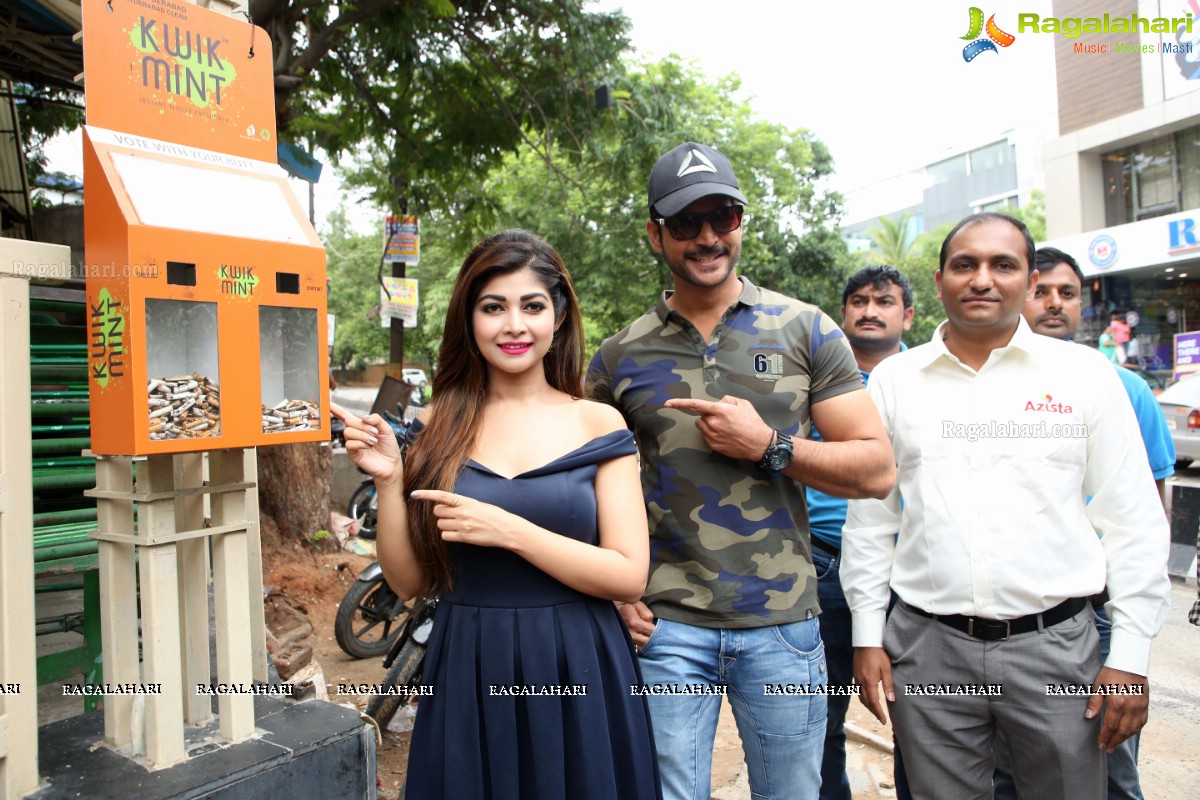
pixel 721 382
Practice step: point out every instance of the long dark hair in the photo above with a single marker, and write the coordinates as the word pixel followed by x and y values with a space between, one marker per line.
pixel 460 385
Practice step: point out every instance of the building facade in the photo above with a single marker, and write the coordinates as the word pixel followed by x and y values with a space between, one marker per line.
pixel 997 173
pixel 1123 177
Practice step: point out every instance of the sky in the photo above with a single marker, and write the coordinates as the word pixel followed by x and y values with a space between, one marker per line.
pixel 883 84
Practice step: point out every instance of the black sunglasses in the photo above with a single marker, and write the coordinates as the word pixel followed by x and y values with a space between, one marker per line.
pixel 721 220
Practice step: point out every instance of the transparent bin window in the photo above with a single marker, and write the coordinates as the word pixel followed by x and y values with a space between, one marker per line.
pixel 184 387
pixel 290 369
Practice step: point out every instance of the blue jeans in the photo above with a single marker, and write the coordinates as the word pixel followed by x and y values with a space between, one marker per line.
pixel 839 655
pixel 1124 783
pixel 782 735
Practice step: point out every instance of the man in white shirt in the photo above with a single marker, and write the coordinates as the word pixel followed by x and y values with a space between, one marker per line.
pixel 1000 435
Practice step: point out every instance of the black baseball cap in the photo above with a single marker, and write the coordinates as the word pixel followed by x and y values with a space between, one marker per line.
pixel 686 174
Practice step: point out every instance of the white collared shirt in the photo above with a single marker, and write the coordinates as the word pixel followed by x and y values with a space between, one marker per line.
pixel 994 468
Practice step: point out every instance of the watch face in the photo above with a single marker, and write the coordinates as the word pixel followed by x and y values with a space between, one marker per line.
pixel 778 458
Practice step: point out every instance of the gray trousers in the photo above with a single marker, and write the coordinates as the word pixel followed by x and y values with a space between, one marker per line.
pixel 954 692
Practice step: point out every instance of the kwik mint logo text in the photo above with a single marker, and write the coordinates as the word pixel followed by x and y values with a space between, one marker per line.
pixel 1072 27
pixel 237 281
pixel 181 62
pixel 995 36
pixel 106 334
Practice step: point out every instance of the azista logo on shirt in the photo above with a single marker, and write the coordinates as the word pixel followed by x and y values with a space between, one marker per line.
pixel 1047 403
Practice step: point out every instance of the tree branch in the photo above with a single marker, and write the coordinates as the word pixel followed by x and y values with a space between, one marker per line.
pixel 328 38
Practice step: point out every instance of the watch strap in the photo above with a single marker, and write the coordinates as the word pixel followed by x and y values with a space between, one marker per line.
pixel 780 442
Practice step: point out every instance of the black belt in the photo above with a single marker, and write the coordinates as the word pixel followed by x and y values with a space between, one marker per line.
pixel 997 630
pixel 827 549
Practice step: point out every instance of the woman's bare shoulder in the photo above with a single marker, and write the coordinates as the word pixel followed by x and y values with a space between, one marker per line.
pixel 599 418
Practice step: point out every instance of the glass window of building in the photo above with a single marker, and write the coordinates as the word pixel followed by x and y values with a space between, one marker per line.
pixel 948 170
pixel 992 155
pixel 1154 192
pixel 1001 204
pixel 1153 178
pixel 1188 147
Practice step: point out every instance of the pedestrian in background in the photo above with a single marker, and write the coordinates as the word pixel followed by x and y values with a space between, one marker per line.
pixel 877 309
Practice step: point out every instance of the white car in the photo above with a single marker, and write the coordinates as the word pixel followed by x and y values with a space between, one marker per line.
pixel 1180 403
pixel 414 377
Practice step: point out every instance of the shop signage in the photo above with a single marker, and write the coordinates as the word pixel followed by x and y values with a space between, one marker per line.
pixel 1187 353
pixel 1103 251
pixel 1134 245
pixel 1184 236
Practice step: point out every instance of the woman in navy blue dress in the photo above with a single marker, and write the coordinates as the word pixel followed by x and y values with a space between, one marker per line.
pixel 524 514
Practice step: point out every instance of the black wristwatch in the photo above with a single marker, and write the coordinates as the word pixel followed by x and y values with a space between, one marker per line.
pixel 778 454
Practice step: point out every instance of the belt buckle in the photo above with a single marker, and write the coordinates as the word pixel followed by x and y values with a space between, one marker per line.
pixel 1007 629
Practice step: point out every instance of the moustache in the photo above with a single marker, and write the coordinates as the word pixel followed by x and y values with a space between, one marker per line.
pixel 866 321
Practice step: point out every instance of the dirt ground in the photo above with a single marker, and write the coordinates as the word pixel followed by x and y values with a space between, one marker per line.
pixel 315 582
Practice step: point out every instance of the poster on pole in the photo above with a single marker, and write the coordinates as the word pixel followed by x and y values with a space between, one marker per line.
pixel 398 300
pixel 403 238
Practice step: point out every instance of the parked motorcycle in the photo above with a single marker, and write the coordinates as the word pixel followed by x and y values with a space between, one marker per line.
pixel 370 617
pixel 405 662
pixel 364 503
pixel 337 431
pixel 364 507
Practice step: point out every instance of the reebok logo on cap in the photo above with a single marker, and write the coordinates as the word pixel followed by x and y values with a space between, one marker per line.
pixel 687 173
pixel 687 167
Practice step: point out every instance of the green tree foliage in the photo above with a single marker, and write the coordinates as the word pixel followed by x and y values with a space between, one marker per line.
pixel 896 244
pixel 591 206
pixel 426 96
pixel 1033 214
pixel 893 238
pixel 43 113
pixel 354 291
pixel 920 269
pixel 350 261
pixel 594 209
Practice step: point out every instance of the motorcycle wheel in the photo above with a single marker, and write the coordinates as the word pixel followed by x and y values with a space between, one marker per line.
pixel 364 507
pixel 405 671
pixel 367 621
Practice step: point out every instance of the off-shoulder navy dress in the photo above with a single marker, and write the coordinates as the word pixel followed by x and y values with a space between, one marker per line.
pixel 495 727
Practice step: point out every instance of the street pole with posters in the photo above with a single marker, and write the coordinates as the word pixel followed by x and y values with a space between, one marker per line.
pixel 402 247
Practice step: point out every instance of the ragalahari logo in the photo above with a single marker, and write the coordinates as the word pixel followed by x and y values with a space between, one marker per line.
pixel 995 36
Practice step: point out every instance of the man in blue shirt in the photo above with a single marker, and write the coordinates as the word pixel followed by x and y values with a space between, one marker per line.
pixel 876 311
pixel 1054 310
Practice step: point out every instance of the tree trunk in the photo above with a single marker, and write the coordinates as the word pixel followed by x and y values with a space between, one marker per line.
pixel 293 487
